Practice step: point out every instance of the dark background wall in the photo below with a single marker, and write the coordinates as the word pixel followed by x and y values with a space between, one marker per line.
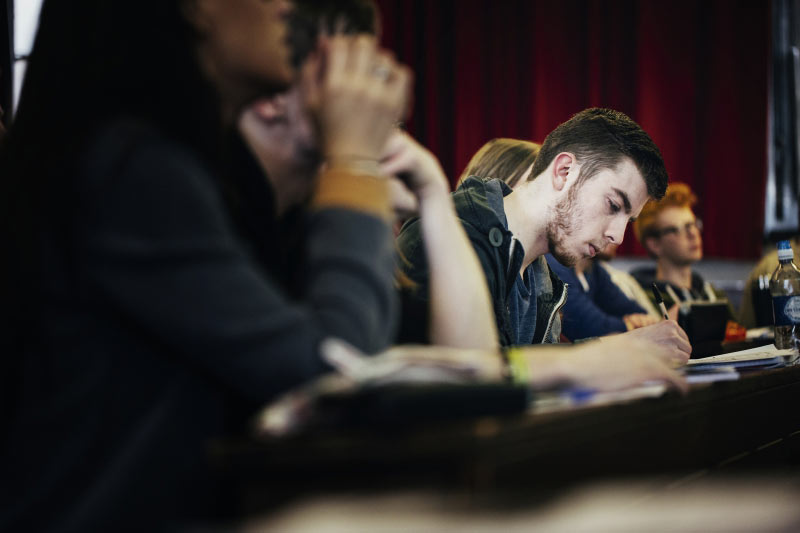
pixel 694 74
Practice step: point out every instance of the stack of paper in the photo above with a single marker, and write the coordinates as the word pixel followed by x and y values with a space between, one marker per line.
pixel 761 357
pixel 700 374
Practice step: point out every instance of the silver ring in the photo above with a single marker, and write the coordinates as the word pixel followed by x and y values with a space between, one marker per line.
pixel 381 72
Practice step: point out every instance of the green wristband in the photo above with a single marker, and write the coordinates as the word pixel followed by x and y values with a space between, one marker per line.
pixel 518 368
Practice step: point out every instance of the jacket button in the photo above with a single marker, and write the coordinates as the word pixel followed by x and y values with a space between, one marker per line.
pixel 495 237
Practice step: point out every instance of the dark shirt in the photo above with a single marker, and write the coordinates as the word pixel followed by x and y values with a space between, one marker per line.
pixel 161 331
pixel 594 312
pixel 278 243
pixel 700 289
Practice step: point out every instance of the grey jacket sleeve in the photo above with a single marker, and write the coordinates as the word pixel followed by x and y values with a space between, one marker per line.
pixel 160 252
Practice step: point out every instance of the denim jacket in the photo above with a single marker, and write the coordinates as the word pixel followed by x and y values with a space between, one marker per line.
pixel 500 255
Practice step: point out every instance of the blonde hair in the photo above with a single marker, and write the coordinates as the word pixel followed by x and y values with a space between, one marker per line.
pixel 677 195
pixel 502 158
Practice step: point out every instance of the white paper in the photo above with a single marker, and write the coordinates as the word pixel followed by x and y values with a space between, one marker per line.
pixel 749 357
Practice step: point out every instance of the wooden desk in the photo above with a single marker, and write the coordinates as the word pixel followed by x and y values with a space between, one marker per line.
pixel 715 425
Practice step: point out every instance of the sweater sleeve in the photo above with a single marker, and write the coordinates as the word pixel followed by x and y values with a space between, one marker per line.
pixel 160 252
pixel 609 296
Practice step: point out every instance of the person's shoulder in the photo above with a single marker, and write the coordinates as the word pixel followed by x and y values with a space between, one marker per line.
pixel 471 201
pixel 122 134
pixel 131 146
pixel 767 264
pixel 130 167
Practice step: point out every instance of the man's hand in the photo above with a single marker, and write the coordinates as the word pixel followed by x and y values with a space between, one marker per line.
pixel 638 320
pixel 613 363
pixel 355 92
pixel 619 362
pixel 411 164
pixel 665 333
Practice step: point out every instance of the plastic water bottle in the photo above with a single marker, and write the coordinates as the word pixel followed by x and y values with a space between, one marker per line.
pixel 784 287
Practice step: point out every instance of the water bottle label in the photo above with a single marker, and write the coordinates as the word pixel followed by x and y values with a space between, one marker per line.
pixel 787 310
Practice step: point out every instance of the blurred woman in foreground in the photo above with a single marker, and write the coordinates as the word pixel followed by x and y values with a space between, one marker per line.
pixel 137 325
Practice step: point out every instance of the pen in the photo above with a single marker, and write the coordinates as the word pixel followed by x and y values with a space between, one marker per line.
pixel 580 395
pixel 660 301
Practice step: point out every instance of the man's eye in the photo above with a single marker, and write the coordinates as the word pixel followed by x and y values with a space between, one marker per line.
pixel 614 208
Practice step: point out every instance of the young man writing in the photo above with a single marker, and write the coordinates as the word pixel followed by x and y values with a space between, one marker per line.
pixel 278 132
pixel 593 175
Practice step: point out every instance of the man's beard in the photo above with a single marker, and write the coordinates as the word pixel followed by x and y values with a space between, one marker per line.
pixel 566 219
pixel 608 253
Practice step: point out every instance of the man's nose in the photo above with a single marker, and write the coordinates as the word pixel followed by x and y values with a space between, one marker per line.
pixel 616 230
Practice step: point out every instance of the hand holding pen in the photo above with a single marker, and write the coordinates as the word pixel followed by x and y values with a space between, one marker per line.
pixel 660 301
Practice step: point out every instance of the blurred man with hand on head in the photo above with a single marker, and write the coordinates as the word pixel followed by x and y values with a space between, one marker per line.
pixel 281 137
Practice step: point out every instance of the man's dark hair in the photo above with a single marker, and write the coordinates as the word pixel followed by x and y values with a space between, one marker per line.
pixel 310 17
pixel 600 139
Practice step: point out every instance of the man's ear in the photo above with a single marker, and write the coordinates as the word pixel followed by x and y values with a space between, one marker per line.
pixel 271 110
pixel 562 164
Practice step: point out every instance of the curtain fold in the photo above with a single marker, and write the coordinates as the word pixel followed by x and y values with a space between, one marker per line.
pixel 694 74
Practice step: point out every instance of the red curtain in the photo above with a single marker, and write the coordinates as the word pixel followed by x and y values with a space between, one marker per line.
pixel 694 74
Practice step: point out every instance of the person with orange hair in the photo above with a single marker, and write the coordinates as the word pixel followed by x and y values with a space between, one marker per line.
pixel 672 235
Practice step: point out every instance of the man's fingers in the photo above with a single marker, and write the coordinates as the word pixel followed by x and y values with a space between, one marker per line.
pixel 337 59
pixel 310 74
pixel 398 158
pixel 395 144
pixel 400 90
pixel 684 345
pixel 672 312
pixel 361 59
pixel 394 165
pixel 674 379
pixel 682 340
pixel 403 201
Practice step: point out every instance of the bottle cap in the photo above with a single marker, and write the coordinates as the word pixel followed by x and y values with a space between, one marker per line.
pixel 785 251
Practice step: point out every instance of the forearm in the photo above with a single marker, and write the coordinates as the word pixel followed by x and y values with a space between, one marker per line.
pixel 548 366
pixel 460 305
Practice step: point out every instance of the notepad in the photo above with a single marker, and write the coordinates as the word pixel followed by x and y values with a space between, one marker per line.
pixel 760 357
